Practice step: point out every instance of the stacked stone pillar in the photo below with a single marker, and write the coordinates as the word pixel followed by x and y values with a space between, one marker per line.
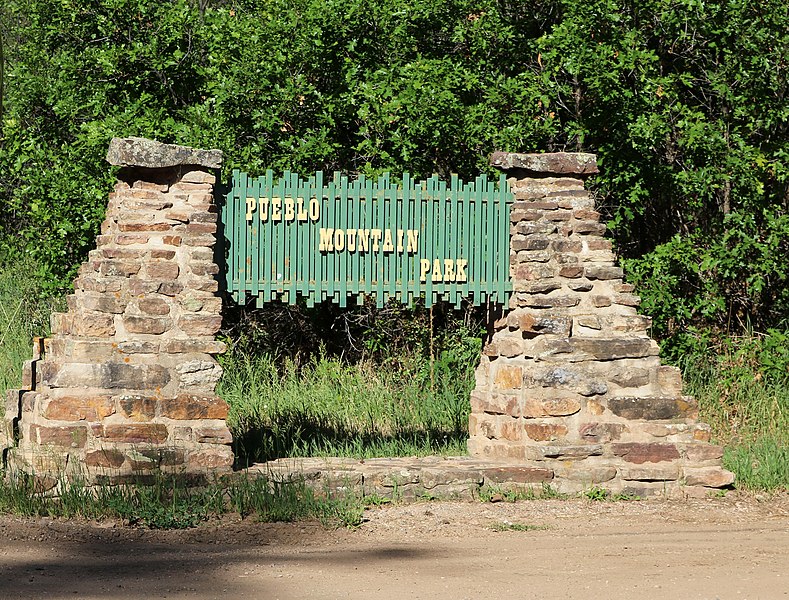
pixel 124 387
pixel 570 385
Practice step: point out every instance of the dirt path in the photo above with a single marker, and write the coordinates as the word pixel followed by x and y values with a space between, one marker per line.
pixel 731 548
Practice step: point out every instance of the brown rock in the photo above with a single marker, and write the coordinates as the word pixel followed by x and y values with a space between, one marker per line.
pixel 650 473
pixel 559 163
pixel 218 458
pixel 702 452
pixel 571 271
pixel 200 325
pixel 203 268
pixel 530 242
pixel 165 271
pixel 585 473
pixel 213 435
pixel 163 254
pixel 136 433
pixel 542 432
pixel 106 459
pixel 147 325
pixel 85 407
pixel 601 301
pixel 561 407
pixel 206 346
pixel 614 348
pixel 653 408
pixel 638 453
pixel 543 301
pixel 508 377
pixel 66 436
pixel 529 322
pixel 713 477
pixel 138 407
pixel 193 406
pixel 601 432
pixel 498 475
pixel 153 306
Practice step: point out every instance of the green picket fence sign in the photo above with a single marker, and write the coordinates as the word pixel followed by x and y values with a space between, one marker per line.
pixel 287 237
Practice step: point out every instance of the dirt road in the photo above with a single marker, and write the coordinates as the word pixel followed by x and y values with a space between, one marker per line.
pixel 730 548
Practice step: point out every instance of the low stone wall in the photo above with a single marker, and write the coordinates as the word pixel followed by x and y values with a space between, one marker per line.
pixel 571 382
pixel 125 384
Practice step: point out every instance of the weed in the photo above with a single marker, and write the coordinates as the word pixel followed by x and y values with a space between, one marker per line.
pixel 596 494
pixel 508 526
pixel 549 492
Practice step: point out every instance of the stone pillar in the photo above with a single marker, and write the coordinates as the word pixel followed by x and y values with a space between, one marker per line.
pixel 125 385
pixel 571 383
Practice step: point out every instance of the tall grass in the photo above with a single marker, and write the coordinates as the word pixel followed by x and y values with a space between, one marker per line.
pixel 24 314
pixel 167 503
pixel 743 395
pixel 328 408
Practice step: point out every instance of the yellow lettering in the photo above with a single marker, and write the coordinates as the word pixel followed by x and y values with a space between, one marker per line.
pixel 327 235
pixel 315 209
pixel 264 209
pixel 413 239
pixel 436 277
pixel 301 214
pixel 424 269
pixel 290 214
pixel 449 269
pixel 364 240
pixel 460 275
pixel 400 235
pixel 350 235
pixel 376 235
pixel 339 240
pixel 276 208
pixel 388 245
pixel 251 204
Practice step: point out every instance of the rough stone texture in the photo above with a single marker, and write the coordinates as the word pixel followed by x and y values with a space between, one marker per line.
pixel 125 385
pixel 570 380
pixel 149 154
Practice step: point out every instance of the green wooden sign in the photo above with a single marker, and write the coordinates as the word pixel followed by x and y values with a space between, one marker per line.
pixel 287 237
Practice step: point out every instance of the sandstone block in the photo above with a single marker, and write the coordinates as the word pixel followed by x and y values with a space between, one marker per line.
pixel 153 306
pixel 200 325
pixel 697 453
pixel 66 436
pixel 614 348
pixel 543 432
pixel 135 433
pixel 83 407
pixel 203 268
pixel 499 475
pixel 106 458
pixel 119 268
pixel 653 408
pixel 560 407
pixel 147 325
pixel 713 477
pixel 531 242
pixel 219 457
pixel 601 432
pixel 94 324
pixel 219 434
pixel 508 377
pixel 639 453
pixel 194 406
pixel 543 301
pixel 585 473
pixel 199 373
pixel 563 451
pixel 192 346
pixel 138 407
pixel 163 271
pixel 534 323
pixel 650 473
pixel 162 254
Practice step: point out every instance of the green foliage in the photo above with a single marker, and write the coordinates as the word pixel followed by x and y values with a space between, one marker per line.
pixel 24 313
pixel 684 102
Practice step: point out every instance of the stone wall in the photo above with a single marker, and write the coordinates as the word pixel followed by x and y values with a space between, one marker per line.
pixel 125 384
pixel 570 382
